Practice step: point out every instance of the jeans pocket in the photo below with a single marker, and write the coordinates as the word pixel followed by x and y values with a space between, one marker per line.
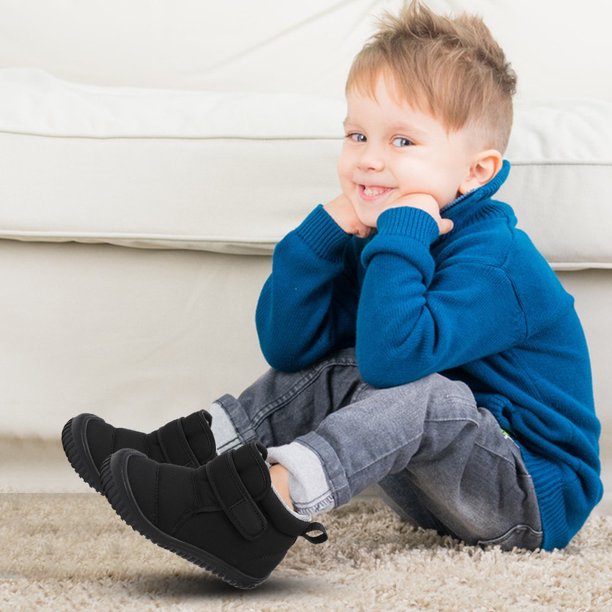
pixel 519 536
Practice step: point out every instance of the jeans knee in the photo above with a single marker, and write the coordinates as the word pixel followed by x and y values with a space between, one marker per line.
pixel 449 399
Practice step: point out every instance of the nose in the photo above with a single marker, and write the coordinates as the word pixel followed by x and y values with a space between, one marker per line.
pixel 371 159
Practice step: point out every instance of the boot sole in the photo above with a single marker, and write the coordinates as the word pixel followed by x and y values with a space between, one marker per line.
pixel 119 493
pixel 77 450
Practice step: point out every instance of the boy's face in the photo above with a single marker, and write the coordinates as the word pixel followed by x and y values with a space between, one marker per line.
pixel 393 150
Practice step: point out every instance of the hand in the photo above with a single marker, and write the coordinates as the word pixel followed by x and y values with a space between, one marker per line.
pixel 342 212
pixel 425 202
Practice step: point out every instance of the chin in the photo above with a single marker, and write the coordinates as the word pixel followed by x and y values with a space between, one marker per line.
pixel 367 219
pixel 367 215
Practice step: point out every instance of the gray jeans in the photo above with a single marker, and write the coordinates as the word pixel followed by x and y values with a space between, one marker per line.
pixel 438 459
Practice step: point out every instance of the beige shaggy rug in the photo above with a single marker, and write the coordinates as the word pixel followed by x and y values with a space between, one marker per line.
pixel 71 552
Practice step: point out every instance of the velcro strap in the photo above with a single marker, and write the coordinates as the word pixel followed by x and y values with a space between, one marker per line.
pixel 237 503
pixel 174 445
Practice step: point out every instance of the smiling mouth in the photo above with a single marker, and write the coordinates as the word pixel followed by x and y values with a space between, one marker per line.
pixel 373 193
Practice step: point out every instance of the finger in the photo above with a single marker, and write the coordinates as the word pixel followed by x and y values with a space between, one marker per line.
pixel 446 225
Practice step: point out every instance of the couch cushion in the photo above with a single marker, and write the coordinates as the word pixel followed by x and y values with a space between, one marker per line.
pixel 233 172
pixel 280 46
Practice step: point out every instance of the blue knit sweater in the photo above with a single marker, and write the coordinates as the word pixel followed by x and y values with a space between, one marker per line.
pixel 479 304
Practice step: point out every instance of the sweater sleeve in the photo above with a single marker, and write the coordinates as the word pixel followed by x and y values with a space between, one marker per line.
pixel 307 307
pixel 416 318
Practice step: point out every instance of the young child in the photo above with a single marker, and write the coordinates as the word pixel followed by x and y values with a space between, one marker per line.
pixel 418 340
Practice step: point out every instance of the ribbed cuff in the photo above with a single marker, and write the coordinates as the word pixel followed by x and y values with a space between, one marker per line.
pixel 323 235
pixel 408 221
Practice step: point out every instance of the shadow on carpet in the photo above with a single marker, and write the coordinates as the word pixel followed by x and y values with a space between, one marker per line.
pixel 70 551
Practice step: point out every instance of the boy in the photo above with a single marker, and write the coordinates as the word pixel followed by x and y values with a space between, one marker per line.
pixel 418 341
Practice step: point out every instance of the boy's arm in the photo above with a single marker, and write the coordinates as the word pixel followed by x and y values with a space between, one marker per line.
pixel 413 319
pixel 307 307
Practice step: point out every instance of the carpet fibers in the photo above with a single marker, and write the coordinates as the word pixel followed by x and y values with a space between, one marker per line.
pixel 70 551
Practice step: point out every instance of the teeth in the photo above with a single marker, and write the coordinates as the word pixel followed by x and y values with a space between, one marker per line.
pixel 374 191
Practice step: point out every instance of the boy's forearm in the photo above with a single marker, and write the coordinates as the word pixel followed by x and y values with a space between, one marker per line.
pixel 413 319
pixel 301 315
pixel 399 269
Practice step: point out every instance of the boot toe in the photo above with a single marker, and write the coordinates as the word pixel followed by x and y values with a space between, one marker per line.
pixel 86 451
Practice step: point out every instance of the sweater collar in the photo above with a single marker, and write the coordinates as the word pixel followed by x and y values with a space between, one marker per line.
pixel 462 208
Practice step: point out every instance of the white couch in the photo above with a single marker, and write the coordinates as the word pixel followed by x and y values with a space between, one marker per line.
pixel 152 154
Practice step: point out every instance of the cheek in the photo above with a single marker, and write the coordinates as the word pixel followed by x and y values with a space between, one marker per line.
pixel 432 176
pixel 415 177
pixel 344 169
pixel 343 165
pixel 447 193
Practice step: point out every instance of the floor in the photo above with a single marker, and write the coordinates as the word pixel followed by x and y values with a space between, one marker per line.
pixel 37 466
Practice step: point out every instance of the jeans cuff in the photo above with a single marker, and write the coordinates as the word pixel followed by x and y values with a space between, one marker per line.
pixel 333 468
pixel 234 427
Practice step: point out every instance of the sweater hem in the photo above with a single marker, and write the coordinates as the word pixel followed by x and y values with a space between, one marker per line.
pixel 548 484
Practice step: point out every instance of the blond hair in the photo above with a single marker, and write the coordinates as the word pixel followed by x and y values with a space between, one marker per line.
pixel 451 68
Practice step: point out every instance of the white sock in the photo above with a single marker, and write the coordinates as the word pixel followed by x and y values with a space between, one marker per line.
pixel 226 436
pixel 308 487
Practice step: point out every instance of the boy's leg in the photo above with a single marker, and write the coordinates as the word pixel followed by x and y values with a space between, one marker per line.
pixel 280 406
pixel 441 459
pixel 475 488
pixel 88 439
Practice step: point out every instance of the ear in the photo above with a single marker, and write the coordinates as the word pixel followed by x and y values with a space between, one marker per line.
pixel 482 169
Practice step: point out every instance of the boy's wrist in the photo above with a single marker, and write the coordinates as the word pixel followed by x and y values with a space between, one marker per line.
pixel 408 221
pixel 323 235
pixel 426 203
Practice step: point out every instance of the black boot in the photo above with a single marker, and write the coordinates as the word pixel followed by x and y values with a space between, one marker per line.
pixel 224 516
pixel 88 441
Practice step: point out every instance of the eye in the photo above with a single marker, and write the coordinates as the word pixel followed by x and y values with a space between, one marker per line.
pixel 401 141
pixel 356 137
